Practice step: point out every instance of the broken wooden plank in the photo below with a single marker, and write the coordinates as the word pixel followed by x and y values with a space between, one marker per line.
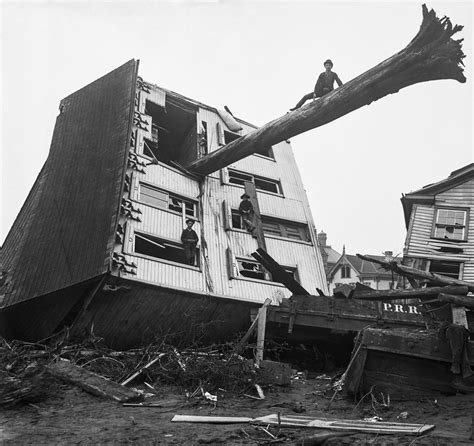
pixel 257 220
pixel 251 329
pixel 419 293
pixel 407 271
pixel 431 55
pixel 378 427
pixel 462 301
pixel 261 325
pixel 92 383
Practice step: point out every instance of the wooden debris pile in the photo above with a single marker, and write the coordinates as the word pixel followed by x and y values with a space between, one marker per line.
pixel 28 369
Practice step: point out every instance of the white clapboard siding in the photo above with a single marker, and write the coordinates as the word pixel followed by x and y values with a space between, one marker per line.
pixel 419 241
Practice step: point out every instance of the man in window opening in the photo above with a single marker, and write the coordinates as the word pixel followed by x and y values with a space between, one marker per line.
pixel 324 85
pixel 247 213
pixel 189 238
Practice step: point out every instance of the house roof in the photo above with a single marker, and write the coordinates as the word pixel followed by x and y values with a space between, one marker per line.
pixel 362 267
pixel 426 194
pixel 333 255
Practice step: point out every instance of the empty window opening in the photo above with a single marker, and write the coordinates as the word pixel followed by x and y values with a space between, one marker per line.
pixel 173 132
pixel 261 183
pixel 160 249
pixel 450 224
pixel 166 200
pixel 445 268
pixel 237 222
pixel 229 137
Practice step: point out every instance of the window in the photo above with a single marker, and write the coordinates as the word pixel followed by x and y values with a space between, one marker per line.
pixel 249 268
pixel 450 224
pixel 160 248
pixel 345 272
pixel 255 270
pixel 286 229
pixel 262 184
pixel 445 268
pixel 229 137
pixel 165 200
pixel 237 222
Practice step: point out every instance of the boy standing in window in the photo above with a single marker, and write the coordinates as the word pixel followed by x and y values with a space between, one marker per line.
pixel 324 84
pixel 189 238
pixel 246 212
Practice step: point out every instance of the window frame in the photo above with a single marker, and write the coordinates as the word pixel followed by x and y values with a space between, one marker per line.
pixel 131 244
pixel 252 178
pixel 170 194
pixel 345 267
pixel 435 224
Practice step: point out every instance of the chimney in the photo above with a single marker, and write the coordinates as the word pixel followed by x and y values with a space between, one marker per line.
pixel 388 256
pixel 322 239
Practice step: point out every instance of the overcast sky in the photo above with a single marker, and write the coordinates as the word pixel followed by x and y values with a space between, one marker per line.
pixel 258 58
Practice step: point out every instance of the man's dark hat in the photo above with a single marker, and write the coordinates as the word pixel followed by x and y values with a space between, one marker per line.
pixel 244 196
pixel 190 220
pixel 329 61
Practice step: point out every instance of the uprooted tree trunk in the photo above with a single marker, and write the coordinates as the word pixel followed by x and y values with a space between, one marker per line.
pixel 431 55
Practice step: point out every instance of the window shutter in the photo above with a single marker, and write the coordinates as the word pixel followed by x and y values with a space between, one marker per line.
pixel 220 134
pixel 224 174
pixel 227 214
pixel 232 269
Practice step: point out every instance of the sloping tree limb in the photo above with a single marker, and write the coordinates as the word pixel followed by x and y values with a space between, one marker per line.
pixel 431 55
pixel 407 271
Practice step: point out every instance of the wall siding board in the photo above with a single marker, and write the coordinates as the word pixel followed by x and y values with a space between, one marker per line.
pixel 419 241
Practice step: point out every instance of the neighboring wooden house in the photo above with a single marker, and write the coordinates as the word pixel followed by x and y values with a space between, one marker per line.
pixel 350 270
pixel 440 224
pixel 97 242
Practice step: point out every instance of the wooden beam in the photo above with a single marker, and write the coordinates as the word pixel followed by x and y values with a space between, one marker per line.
pixel 419 293
pixel 431 55
pixel 462 301
pixel 407 271
pixel 278 273
pixel 262 323
pixel 92 383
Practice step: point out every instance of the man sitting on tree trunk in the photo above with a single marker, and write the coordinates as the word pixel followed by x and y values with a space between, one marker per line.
pixel 324 85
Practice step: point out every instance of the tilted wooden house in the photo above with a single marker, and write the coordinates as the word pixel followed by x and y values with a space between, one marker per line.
pixel 97 245
pixel 440 226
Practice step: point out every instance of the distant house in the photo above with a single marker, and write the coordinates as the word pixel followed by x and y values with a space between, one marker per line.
pixel 440 224
pixel 329 255
pixel 349 270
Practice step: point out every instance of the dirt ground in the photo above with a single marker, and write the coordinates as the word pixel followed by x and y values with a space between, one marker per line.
pixel 71 416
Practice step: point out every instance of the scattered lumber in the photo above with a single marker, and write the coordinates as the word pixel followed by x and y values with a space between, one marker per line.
pixel 278 273
pixel 378 427
pixel 431 55
pixel 92 383
pixel 139 372
pixel 419 293
pixel 409 272
pixel 462 301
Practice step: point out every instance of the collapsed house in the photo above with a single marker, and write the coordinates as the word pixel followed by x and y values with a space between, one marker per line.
pixel 97 242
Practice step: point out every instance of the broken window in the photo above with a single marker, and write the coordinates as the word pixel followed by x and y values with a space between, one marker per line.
pixel 165 200
pixel 445 268
pixel 159 248
pixel 345 272
pixel 229 137
pixel 450 224
pixel 286 229
pixel 174 135
pixel 249 268
pixel 261 183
